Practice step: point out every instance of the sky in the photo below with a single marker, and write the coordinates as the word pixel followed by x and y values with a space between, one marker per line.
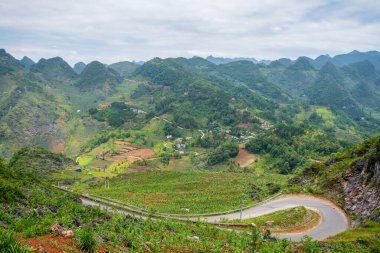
pixel 118 30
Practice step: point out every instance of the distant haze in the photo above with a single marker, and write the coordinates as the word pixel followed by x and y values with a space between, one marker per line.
pixel 111 31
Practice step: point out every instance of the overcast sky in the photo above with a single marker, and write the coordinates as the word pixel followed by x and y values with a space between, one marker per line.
pixel 116 30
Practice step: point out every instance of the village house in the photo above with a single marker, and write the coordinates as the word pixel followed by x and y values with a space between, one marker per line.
pixel 138 111
pixel 180 146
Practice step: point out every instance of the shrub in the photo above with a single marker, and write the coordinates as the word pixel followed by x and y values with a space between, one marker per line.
pixel 87 240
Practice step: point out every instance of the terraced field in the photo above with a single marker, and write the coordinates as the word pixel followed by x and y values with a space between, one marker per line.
pixel 128 152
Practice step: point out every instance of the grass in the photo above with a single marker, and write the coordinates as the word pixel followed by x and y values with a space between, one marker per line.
pixel 9 244
pixel 369 231
pixel 87 240
pixel 44 206
pixel 199 191
pixel 289 220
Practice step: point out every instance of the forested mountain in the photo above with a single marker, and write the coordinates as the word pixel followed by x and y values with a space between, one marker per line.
pixel 195 93
pixel 27 62
pixel 124 68
pixel 34 108
pixel 222 60
pixel 79 67
pixel 318 62
pixel 55 70
pixel 97 76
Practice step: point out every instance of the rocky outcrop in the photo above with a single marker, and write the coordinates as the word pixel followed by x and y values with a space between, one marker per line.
pixel 361 188
pixel 350 178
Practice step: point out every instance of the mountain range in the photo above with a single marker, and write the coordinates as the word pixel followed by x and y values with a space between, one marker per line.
pixel 46 103
pixel 318 62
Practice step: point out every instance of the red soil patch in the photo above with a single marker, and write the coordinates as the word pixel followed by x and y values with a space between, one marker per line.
pixel 129 152
pixel 244 158
pixel 117 158
pixel 125 144
pixel 52 244
pixel 144 153
pixel 133 159
pixel 55 244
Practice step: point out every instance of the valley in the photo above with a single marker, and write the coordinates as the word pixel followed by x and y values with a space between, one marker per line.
pixel 188 137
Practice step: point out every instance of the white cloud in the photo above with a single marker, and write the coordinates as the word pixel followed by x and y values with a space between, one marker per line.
pixel 142 29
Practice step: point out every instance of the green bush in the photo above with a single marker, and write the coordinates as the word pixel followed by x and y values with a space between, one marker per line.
pixel 87 240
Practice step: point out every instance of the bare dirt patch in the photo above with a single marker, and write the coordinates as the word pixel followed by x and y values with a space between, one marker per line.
pixel 244 158
pixel 128 152
pixel 52 244
pixel 144 153
pixel 55 244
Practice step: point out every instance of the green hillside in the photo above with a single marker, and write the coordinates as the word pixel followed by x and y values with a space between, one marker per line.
pixel 351 178
pixel 54 70
pixel 124 68
pixel 96 76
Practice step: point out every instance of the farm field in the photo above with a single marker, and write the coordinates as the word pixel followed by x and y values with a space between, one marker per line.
pixel 198 191
pixel 121 151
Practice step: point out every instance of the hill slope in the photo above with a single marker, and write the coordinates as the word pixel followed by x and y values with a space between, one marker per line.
pixel 96 76
pixel 352 178
pixel 54 70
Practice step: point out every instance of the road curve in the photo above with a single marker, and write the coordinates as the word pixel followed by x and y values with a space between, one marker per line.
pixel 333 219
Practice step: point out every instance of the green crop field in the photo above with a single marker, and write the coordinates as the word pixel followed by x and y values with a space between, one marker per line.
pixel 199 191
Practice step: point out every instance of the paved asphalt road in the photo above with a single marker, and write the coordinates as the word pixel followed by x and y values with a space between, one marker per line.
pixel 333 219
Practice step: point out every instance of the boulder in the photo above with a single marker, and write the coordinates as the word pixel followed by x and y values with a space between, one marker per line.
pixel 67 233
pixel 56 228
pixel 269 223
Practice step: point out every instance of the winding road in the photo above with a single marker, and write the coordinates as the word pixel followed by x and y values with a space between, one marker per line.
pixel 333 219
